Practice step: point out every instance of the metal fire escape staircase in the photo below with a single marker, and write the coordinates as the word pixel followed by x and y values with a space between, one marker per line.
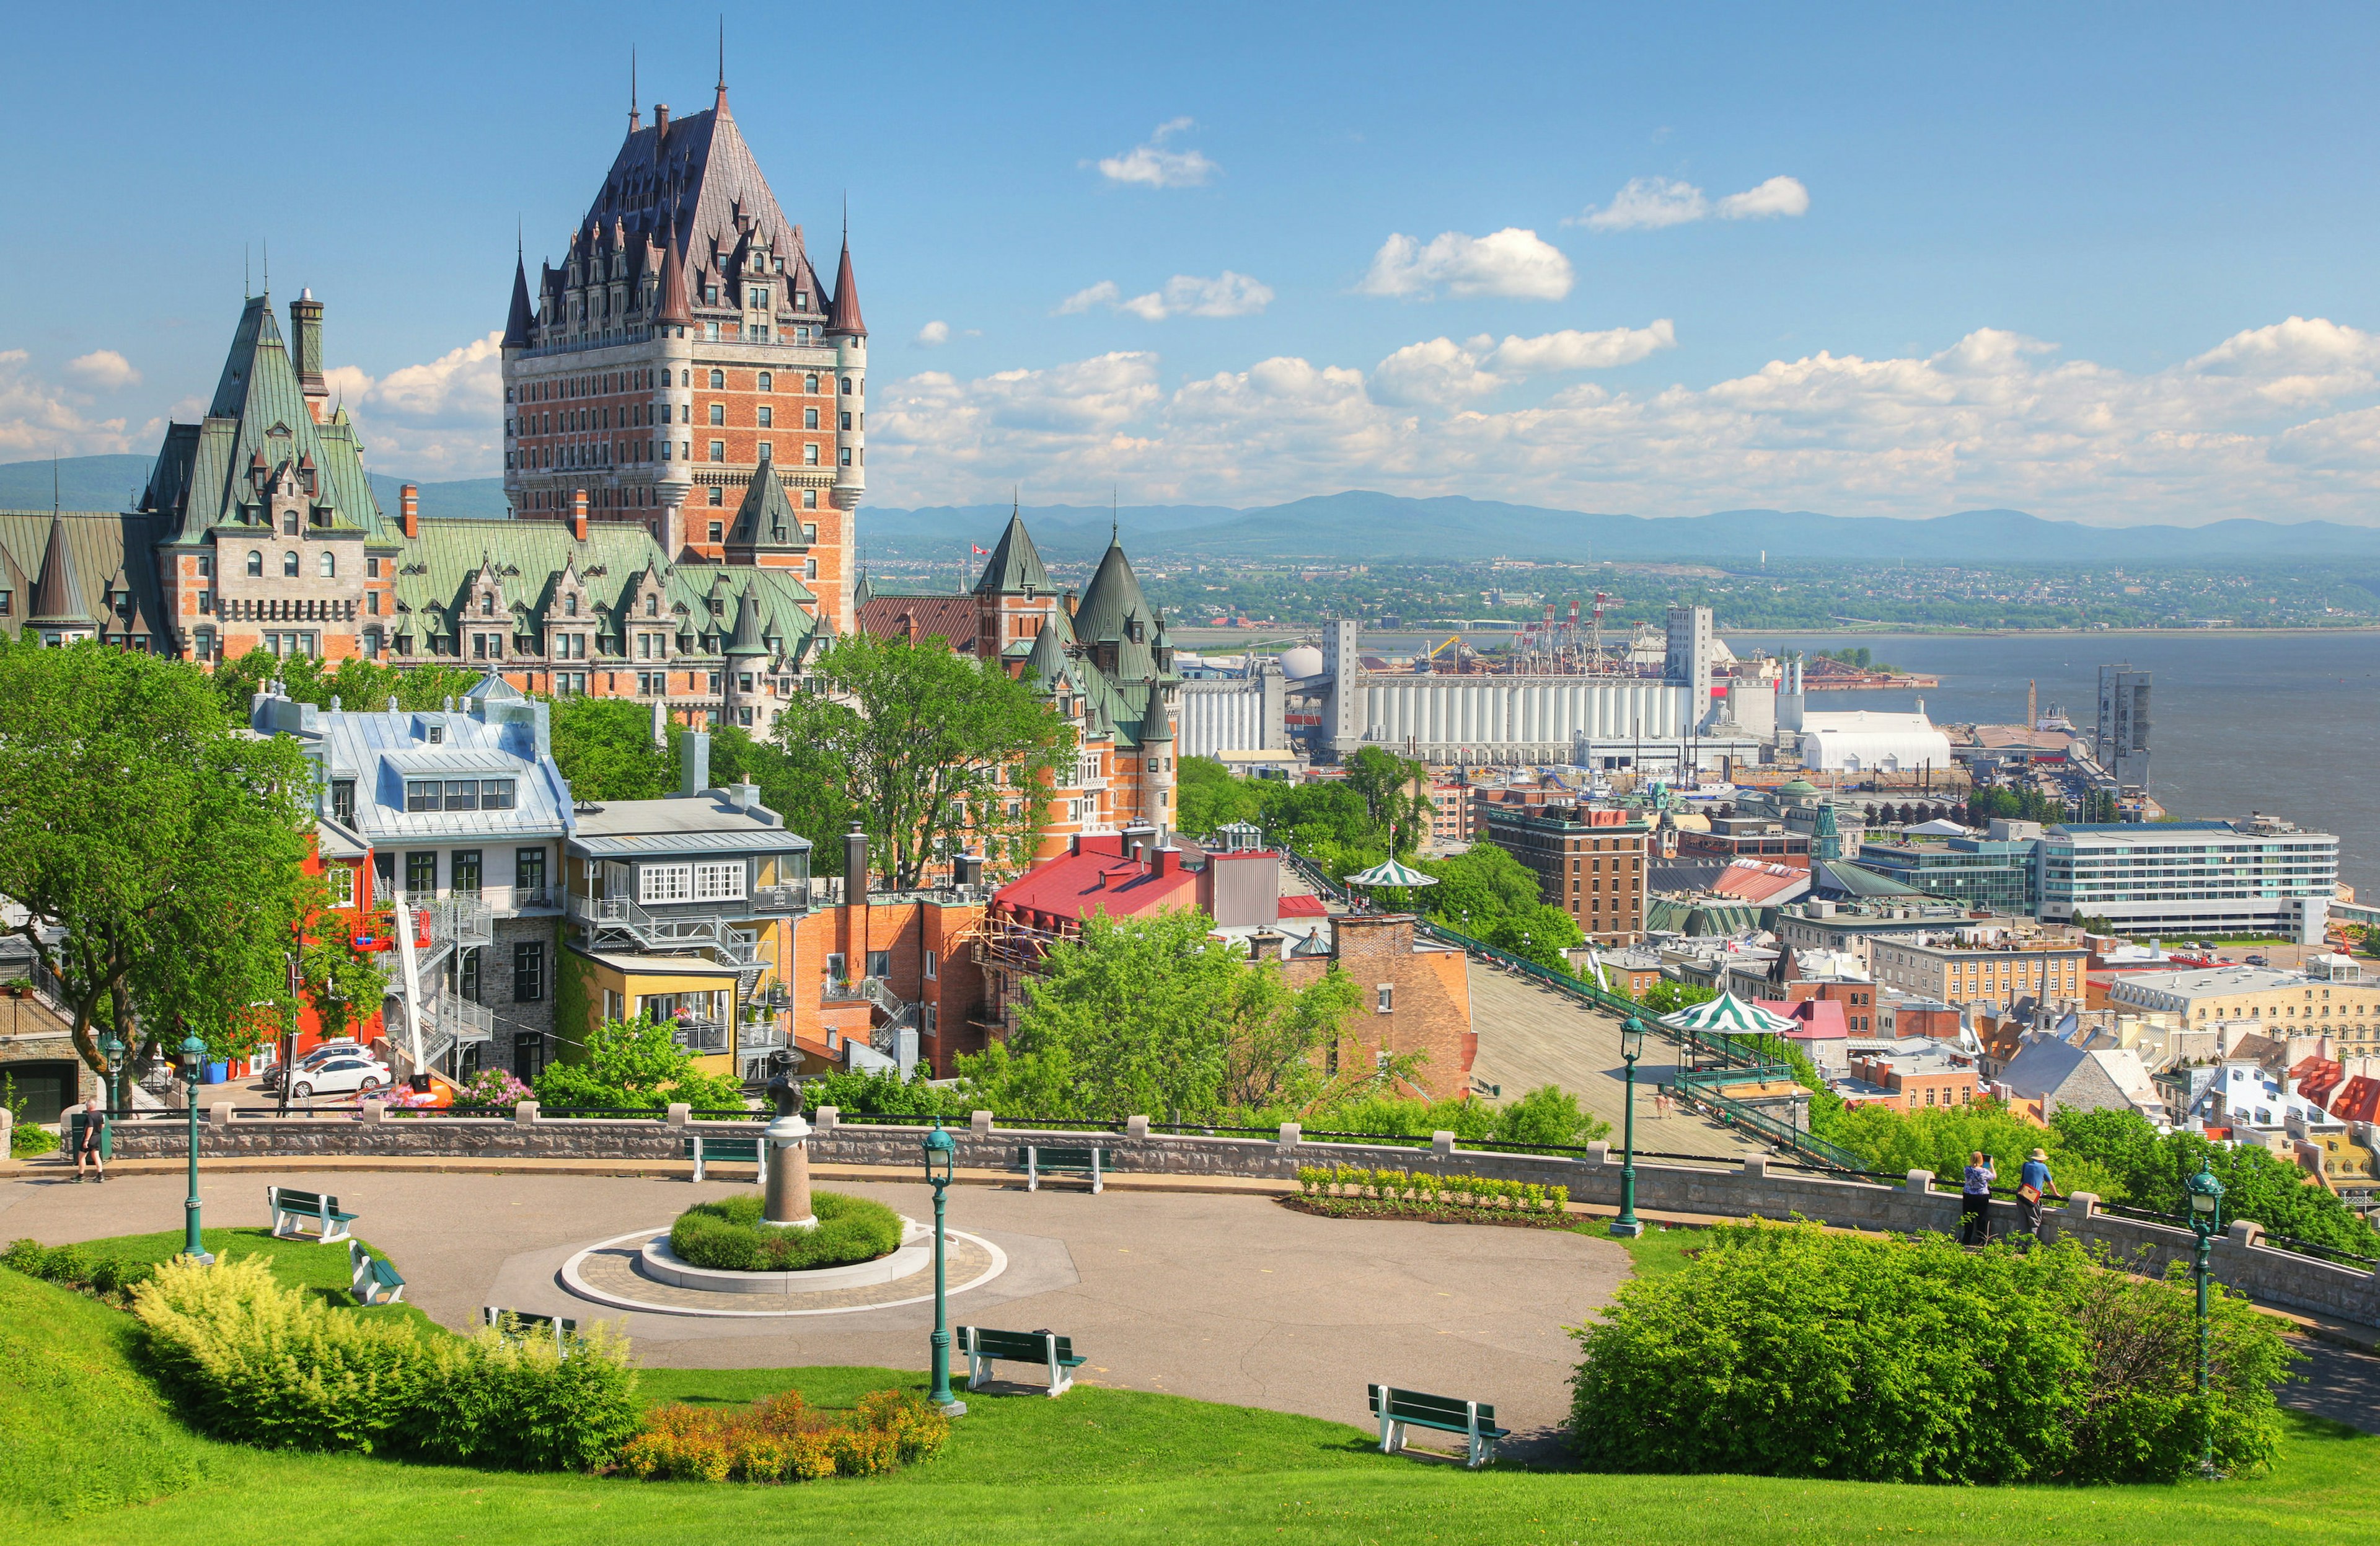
pixel 438 1022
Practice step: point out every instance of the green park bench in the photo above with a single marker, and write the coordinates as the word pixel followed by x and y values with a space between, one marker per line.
pixel 1038 1161
pixel 519 1324
pixel 373 1281
pixel 1400 1409
pixel 985 1347
pixel 703 1149
pixel 294 1211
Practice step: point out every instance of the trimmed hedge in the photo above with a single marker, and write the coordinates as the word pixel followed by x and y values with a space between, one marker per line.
pixel 783 1440
pixel 731 1236
pixel 1420 1188
pixel 1783 1350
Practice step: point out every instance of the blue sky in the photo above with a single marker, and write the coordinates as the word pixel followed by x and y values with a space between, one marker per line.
pixel 1877 259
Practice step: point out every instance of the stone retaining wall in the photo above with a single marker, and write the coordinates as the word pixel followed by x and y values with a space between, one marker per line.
pixel 1750 1188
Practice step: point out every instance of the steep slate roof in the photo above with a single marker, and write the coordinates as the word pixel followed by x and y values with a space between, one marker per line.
pixel 844 318
pixel 889 614
pixel 523 316
pixel 1014 566
pixel 56 597
pixel 746 640
pixel 1112 596
pixel 435 572
pixel 766 518
pixel 259 415
pixel 100 551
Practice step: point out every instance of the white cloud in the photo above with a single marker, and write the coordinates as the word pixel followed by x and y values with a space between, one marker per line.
pixel 441 418
pixel 104 371
pixel 1444 371
pixel 1226 294
pixel 38 417
pixel 1508 263
pixel 2279 420
pixel 1650 203
pixel 1778 197
pixel 1152 165
pixel 934 333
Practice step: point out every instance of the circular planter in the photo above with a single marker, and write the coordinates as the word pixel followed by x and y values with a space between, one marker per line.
pixel 916 1251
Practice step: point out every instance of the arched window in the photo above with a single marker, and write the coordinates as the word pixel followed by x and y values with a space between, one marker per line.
pixel 686 378
pixel 570 607
pixel 256 564
pixel 289 563
pixel 809 383
pixel 847 386
pixel 768 381
pixel 487 603
pixel 329 564
pixel 718 381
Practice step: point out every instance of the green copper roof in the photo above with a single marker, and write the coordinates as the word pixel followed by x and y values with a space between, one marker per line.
pixel 1112 596
pixel 1015 568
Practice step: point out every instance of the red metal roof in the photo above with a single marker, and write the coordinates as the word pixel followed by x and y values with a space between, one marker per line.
pixel 1097 877
pixel 2317 1077
pixel 949 618
pixel 1299 905
pixel 2358 1101
pixel 1750 880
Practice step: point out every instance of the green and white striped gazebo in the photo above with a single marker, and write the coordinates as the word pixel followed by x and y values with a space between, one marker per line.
pixel 1730 1016
pixel 1392 873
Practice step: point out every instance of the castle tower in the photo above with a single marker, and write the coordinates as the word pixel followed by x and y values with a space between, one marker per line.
pixel 685 341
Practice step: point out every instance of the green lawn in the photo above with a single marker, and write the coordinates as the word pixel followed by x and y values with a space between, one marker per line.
pixel 297 1263
pixel 92 1456
pixel 1660 1250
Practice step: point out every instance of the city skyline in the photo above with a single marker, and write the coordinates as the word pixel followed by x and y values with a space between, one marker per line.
pixel 1654 265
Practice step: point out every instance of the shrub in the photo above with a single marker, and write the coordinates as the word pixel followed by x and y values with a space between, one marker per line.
pixel 731 1235
pixel 248 1359
pixel 782 1440
pixel 27 1141
pixel 1787 1351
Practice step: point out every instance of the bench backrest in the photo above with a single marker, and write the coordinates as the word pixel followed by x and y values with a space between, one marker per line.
pixel 383 1271
pixel 1014 1347
pixel 1060 1159
pixel 731 1148
pixel 295 1201
pixel 491 1316
pixel 1418 1406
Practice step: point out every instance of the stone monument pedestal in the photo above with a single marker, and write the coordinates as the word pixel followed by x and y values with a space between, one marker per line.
pixel 788 1196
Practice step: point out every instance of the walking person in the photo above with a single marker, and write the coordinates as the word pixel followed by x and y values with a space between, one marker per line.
pixel 1975 1201
pixel 89 1124
pixel 2033 1183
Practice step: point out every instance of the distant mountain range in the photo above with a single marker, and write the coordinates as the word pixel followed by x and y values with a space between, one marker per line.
pixel 1362 524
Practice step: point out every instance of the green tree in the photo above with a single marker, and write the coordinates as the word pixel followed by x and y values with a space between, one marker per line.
pixel 1209 796
pixel 931 751
pixel 635 1063
pixel 356 683
pixel 1537 933
pixel 1156 1016
pixel 1394 804
pixel 1478 886
pixel 604 748
pixel 342 983
pixel 154 844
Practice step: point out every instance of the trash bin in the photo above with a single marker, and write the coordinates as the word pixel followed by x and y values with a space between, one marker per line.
pixel 218 1073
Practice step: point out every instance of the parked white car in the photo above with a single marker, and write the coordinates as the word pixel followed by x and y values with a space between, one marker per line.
pixel 314 1058
pixel 339 1074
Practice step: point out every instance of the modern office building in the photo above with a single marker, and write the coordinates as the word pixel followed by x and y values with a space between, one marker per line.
pixel 1996 875
pixel 2122 744
pixel 2179 879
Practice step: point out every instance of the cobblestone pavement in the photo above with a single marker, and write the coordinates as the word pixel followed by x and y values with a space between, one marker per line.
pixel 1222 1297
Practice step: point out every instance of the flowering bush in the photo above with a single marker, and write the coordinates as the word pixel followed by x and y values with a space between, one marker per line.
pixel 1419 1188
pixel 782 1440
pixel 495 1086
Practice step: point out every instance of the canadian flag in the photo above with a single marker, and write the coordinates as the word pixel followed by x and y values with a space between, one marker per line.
pixel 972 547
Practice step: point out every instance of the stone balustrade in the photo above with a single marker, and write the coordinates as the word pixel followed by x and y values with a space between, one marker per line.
pixel 1756 1187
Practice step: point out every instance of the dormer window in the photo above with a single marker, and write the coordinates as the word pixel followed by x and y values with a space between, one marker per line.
pixel 801 301
pixel 570 607
pixel 652 606
pixel 488 603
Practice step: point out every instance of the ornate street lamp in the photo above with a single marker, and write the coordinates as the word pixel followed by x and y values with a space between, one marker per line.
pixel 941 1149
pixel 193 1058
pixel 2205 1217
pixel 1632 1047
pixel 112 1049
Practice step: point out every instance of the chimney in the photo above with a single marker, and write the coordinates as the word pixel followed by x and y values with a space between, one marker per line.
pixel 745 796
pixel 661 120
pixel 578 514
pixel 1071 598
pixel 305 332
pixel 694 762
pixel 854 864
pixel 409 506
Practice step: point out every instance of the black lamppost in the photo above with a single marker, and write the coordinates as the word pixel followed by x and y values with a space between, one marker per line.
pixel 193 1060
pixel 2205 1217
pixel 940 1152
pixel 111 1048
pixel 1632 1047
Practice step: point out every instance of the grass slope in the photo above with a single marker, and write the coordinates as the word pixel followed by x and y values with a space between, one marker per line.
pixel 80 1430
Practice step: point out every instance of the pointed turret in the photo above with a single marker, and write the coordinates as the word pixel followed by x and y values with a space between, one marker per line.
pixel 674 311
pixel 57 598
pixel 1156 726
pixel 1015 568
pixel 766 519
pixel 747 640
pixel 842 318
pixel 1046 667
pixel 1112 596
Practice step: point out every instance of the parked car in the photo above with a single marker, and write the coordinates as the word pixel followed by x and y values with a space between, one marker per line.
pixel 2258 961
pixel 314 1058
pixel 339 1074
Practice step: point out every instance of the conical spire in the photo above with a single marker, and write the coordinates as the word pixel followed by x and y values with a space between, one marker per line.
pixel 1047 665
pixel 842 318
pixel 674 308
pixel 523 317
pixel 1014 566
pixel 746 640
pixel 57 600
pixel 1112 596
pixel 1155 725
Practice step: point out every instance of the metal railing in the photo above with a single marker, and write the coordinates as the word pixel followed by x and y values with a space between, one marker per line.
pixel 461 921
pixel 698 1035
pixel 464 1021
pixel 761 1036
pixel 789 898
pixel 704 929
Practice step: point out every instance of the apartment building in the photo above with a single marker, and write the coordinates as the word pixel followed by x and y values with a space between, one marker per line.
pixel 1588 862
pixel 2331 998
pixel 1965 971
pixel 2256 875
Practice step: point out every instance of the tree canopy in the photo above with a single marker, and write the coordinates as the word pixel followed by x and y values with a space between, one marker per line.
pixel 159 844
pixel 929 749
pixel 635 1063
pixel 356 683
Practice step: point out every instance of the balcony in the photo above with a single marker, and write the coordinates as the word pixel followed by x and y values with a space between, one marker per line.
pixel 761 1036
pixel 698 1035
pixel 791 898
pixel 620 920
pixel 518 901
pixel 464 1021
pixel 460 921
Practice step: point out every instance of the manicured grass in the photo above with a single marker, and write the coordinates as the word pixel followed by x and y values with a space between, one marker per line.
pixel 1661 1249
pixel 305 1264
pixel 86 1437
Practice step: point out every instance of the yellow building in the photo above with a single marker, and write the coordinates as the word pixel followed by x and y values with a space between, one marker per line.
pixel 2330 998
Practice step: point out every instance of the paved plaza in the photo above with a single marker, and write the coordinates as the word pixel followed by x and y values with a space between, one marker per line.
pixel 1231 1298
